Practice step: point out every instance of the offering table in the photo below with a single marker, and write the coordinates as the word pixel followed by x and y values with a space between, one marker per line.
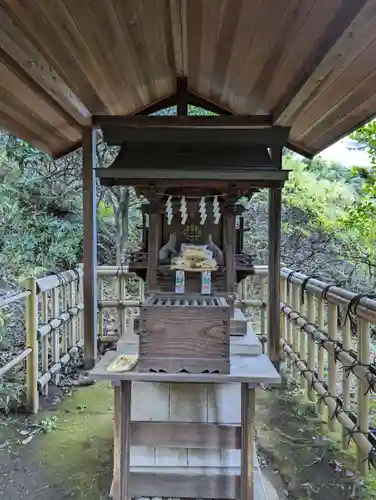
pixel 210 454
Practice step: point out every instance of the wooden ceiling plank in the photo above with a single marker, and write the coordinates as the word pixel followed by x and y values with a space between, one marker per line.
pixel 360 115
pixel 345 15
pixel 135 43
pixel 48 42
pixel 177 37
pixel 343 108
pixel 224 48
pixel 34 99
pixel 164 22
pixel 67 30
pixel 194 38
pixel 354 68
pixel 122 15
pixel 294 49
pixel 152 37
pixel 80 35
pixel 20 48
pixel 210 15
pixel 23 115
pixel 291 21
pixel 117 43
pixel 14 127
pixel 264 19
pixel 101 27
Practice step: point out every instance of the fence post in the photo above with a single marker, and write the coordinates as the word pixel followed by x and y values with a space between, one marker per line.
pixel 80 300
pixel 321 351
pixel 31 325
pixel 295 336
pixel 311 344
pixel 263 316
pixel 346 379
pixel 332 367
pixel 363 336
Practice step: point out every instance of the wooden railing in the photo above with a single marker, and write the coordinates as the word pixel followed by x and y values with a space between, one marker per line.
pixel 325 337
pixel 53 330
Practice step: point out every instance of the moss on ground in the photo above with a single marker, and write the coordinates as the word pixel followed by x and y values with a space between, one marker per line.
pixel 80 450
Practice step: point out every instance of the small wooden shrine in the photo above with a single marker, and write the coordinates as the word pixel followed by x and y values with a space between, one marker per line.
pixel 196 181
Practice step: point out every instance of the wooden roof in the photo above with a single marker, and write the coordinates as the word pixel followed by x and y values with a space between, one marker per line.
pixel 309 64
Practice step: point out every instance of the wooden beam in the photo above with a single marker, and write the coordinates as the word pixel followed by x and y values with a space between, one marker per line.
pixel 336 28
pixel 182 96
pixel 201 132
pixel 300 151
pixel 276 157
pixel 166 102
pixel 274 263
pixel 90 245
pixel 190 156
pixel 185 122
pixel 136 175
pixel 200 102
pixel 185 435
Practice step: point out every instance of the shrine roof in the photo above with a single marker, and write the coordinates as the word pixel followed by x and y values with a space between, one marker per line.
pixel 305 64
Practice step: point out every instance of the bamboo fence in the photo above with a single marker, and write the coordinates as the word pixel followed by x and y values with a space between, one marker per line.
pixel 53 330
pixel 325 337
pixel 54 322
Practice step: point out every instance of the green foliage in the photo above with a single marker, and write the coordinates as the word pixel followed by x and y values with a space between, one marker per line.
pixel 360 218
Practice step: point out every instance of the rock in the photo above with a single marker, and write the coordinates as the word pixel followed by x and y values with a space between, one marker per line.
pixel 84 382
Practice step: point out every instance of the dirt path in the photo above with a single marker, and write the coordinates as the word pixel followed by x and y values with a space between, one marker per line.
pixel 72 462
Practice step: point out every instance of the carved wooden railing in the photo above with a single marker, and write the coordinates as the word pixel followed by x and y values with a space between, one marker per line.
pixel 325 337
pixel 53 330
pixel 122 291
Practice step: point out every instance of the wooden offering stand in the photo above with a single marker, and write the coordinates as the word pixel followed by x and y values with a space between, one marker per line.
pixel 184 416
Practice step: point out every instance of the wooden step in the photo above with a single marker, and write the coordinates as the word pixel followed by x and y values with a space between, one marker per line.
pixel 238 323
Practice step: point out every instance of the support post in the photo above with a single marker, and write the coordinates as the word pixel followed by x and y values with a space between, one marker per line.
pixel 229 221
pixel 274 315
pixel 240 236
pixel 90 246
pixel 247 441
pixel 153 245
pixel 124 438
